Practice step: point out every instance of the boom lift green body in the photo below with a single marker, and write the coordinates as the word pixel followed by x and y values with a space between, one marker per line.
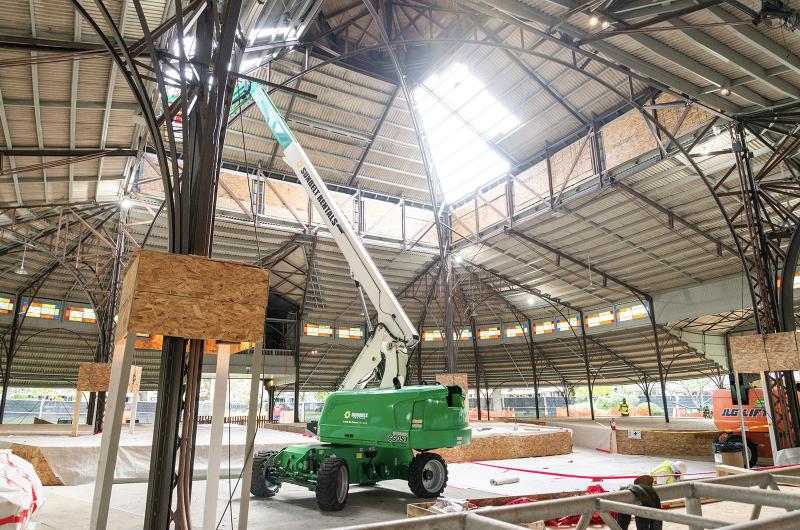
pixel 366 435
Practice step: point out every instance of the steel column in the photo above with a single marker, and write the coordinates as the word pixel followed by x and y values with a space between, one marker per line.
pixel 534 367
pixel 651 313
pixel 586 363
pixel 474 331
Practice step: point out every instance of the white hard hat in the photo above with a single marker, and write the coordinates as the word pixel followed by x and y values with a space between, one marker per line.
pixel 679 466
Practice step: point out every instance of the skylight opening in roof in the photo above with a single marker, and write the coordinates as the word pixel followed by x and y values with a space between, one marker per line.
pixel 456 110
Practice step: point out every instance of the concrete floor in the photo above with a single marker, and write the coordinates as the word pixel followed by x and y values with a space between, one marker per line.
pixel 294 508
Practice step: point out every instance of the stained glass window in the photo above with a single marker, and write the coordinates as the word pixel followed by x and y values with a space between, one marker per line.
pixel 432 335
pixel 80 314
pixel 600 319
pixel 317 330
pixel 6 305
pixel 489 333
pixel 41 310
pixel 632 312
pixel 463 334
pixel 566 325
pixel 513 331
pixel 350 333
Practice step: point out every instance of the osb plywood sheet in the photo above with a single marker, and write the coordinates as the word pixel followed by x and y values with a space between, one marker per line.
pixel 562 161
pixel 492 207
pixel 502 447
pixel 194 297
pixel 694 119
pixel 781 350
pixel 666 443
pixel 236 194
pixel 94 377
pixel 626 138
pixel 280 196
pixel 197 319
pixel 155 342
pixel 531 186
pixel 199 277
pixel 772 352
pixel 34 455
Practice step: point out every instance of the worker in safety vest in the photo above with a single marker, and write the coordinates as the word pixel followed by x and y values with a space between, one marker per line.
pixel 669 472
pixel 624 410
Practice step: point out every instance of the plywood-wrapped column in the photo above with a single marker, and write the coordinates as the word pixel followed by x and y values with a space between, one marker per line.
pixel 175 296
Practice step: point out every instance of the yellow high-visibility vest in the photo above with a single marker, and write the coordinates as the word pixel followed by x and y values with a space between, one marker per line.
pixel 664 469
pixel 624 409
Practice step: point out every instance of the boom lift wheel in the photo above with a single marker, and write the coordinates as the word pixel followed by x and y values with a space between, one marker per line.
pixel 427 475
pixel 333 484
pixel 264 482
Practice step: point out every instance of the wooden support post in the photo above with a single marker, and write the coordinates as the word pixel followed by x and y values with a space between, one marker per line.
pixel 215 442
pixel 109 444
pixel 256 366
pixel 76 413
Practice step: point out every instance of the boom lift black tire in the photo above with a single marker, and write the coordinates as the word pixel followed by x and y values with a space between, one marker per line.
pixel 260 485
pixel 427 475
pixel 333 484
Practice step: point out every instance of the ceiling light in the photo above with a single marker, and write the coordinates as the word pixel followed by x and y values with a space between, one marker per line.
pixel 605 24
pixel 593 20
pixel 459 259
pixel 125 203
pixel 21 269
pixel 725 91
pixel 531 300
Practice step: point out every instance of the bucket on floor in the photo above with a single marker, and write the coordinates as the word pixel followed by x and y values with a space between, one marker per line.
pixel 729 453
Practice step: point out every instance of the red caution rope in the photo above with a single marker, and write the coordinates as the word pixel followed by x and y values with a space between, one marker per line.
pixel 596 478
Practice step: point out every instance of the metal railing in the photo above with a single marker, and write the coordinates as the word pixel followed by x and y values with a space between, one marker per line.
pixel 758 488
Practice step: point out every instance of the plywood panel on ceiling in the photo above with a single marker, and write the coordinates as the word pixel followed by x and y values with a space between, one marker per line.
pixel 626 138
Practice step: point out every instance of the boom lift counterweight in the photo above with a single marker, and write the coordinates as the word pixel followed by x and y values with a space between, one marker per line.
pixel 367 435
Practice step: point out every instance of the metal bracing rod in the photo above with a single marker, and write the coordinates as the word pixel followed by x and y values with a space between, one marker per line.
pixel 442 236
pixel 576 261
pixel 692 226
pixel 140 92
pixel 514 283
pixel 375 132
pixel 299 326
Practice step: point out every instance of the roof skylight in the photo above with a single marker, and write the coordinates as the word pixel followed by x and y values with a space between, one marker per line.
pixel 457 114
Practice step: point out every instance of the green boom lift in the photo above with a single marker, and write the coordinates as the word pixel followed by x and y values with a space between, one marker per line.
pixel 366 435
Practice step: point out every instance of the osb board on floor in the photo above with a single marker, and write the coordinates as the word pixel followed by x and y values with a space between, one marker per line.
pixel 33 454
pixel 194 297
pixel 753 354
pixel 505 446
pixel 299 428
pixel 94 377
pixel 666 443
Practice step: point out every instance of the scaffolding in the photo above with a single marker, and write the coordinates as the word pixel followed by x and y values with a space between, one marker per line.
pixel 757 488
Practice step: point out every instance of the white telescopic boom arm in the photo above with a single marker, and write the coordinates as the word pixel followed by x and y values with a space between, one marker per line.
pixel 393 325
